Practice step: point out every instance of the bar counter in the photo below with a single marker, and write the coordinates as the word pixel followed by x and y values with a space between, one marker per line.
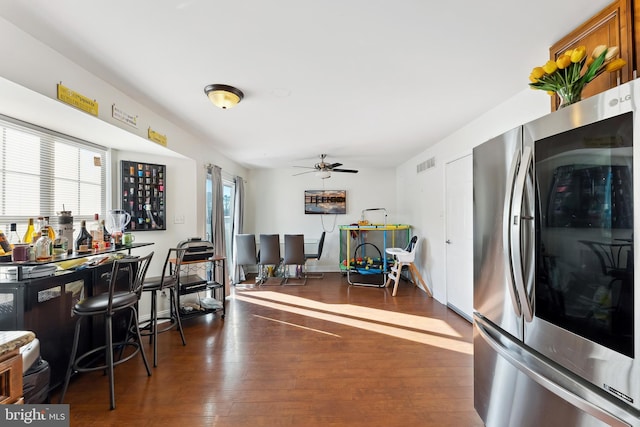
pixel 43 304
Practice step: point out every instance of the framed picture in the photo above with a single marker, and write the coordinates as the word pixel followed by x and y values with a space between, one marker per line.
pixel 325 202
pixel 143 195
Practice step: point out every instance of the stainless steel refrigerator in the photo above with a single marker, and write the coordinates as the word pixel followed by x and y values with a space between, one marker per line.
pixel 556 314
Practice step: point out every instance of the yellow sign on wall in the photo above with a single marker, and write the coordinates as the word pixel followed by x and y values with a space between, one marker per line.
pixel 156 137
pixel 77 100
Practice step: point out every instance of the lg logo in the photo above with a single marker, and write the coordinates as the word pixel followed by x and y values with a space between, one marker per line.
pixel 617 101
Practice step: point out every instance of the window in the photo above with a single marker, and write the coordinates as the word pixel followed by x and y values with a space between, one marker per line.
pixel 228 200
pixel 43 172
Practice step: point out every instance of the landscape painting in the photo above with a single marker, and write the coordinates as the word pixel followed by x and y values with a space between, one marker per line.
pixel 325 202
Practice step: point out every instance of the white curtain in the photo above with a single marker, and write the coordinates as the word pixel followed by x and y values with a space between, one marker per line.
pixel 237 274
pixel 217 216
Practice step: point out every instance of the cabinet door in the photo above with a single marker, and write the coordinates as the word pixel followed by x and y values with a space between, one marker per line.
pixel 611 27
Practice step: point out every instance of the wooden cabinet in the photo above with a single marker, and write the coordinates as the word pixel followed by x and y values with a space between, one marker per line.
pixel 613 26
pixel 11 378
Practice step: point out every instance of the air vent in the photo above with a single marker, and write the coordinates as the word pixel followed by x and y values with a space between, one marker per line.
pixel 427 164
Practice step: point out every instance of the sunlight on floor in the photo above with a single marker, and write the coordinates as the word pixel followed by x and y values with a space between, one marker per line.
pixel 414 328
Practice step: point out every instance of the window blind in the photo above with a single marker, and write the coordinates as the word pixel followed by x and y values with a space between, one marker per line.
pixel 43 172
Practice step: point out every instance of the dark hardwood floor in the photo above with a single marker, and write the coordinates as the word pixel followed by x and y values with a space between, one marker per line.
pixel 324 354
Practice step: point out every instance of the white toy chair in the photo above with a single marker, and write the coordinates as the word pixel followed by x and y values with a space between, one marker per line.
pixel 405 257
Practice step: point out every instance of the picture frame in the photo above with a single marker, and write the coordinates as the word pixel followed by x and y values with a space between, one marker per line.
pixel 143 195
pixel 325 202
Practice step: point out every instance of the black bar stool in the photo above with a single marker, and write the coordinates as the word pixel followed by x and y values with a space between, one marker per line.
pixel 167 282
pixel 131 271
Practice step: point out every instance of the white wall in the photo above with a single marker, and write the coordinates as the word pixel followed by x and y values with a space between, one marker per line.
pixel 274 197
pixel 421 198
pixel 28 83
pixel 275 204
pixel 28 78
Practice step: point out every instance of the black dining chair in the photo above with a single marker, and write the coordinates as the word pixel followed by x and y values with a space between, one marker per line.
pixel 125 288
pixel 315 256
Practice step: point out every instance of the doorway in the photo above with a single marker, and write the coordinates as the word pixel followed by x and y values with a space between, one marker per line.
pixel 459 235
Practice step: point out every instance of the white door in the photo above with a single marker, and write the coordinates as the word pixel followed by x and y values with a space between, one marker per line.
pixel 459 235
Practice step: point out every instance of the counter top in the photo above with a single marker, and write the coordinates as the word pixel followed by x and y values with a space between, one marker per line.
pixel 10 340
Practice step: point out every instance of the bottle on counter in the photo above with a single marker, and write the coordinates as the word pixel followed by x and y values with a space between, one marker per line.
pixel 4 243
pixel 31 230
pixel 61 244
pixel 84 240
pixel 105 233
pixel 97 235
pixel 52 233
pixel 14 239
pixel 44 246
pixel 38 227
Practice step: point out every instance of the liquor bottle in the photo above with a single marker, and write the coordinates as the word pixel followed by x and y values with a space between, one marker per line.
pixel 44 246
pixel 14 239
pixel 84 238
pixel 28 235
pixel 4 243
pixel 52 233
pixel 105 233
pixel 60 244
pixel 95 228
pixel 38 227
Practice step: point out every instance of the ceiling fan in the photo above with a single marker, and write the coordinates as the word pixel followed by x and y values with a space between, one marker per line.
pixel 324 169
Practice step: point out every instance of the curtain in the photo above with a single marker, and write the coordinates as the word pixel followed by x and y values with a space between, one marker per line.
pixel 217 215
pixel 238 226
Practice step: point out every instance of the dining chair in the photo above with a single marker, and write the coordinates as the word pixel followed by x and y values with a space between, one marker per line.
pixel 246 253
pixel 315 256
pixel 269 256
pixel 118 298
pixel 294 255
pixel 167 282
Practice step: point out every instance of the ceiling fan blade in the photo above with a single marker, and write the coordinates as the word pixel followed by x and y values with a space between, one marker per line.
pixel 334 165
pixel 344 170
pixel 302 173
pixel 305 167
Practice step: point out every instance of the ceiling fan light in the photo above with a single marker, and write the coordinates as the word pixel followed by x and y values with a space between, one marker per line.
pixel 323 174
pixel 223 96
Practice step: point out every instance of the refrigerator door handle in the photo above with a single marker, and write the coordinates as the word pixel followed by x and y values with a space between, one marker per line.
pixel 506 242
pixel 515 234
pixel 560 383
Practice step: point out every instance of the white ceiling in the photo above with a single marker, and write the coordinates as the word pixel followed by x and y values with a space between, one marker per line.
pixel 369 82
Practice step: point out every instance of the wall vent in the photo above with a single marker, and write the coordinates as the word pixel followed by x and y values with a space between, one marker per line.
pixel 427 164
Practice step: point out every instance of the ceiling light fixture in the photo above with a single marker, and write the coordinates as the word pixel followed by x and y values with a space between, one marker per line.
pixel 223 96
pixel 323 174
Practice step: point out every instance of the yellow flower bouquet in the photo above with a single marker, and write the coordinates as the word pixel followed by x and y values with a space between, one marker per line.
pixel 564 76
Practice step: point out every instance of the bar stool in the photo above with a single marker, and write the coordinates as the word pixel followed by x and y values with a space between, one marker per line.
pixel 107 305
pixel 167 282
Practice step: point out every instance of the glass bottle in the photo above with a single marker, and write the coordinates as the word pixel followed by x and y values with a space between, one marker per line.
pixel 52 233
pixel 31 230
pixel 105 233
pixel 95 228
pixel 44 246
pixel 14 239
pixel 60 244
pixel 84 238
pixel 4 243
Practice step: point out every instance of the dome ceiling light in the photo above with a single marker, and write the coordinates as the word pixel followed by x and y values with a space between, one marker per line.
pixel 223 96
